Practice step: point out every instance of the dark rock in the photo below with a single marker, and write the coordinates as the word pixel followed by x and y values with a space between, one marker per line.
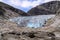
pixel 45 8
pixel 7 11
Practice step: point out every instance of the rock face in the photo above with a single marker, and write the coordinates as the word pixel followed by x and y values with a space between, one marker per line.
pixel 7 11
pixel 55 21
pixel 46 8
pixel 11 31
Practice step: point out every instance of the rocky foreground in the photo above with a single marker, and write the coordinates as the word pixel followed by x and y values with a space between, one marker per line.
pixel 11 31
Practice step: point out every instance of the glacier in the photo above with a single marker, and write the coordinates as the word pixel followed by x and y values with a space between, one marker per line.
pixel 31 21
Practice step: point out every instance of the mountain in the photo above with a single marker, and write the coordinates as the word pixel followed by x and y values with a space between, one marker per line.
pixel 7 11
pixel 45 8
pixel 12 31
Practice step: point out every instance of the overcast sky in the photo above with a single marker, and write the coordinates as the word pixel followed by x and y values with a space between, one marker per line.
pixel 24 5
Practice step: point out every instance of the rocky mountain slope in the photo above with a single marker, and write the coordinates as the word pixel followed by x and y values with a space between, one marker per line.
pixel 45 8
pixel 11 31
pixel 7 11
pixel 54 21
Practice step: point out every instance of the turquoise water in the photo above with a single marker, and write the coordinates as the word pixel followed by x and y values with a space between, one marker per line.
pixel 32 21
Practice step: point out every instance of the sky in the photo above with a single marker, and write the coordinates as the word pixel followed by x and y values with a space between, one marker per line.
pixel 24 5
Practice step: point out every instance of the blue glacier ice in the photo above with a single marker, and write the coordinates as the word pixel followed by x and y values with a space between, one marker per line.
pixel 31 21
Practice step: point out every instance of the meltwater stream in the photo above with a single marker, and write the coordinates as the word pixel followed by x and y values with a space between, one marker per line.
pixel 32 21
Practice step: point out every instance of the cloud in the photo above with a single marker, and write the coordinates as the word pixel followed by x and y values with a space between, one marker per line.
pixel 48 0
pixel 1 0
pixel 26 3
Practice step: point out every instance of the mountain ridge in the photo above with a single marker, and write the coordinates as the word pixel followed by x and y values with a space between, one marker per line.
pixel 8 11
pixel 45 8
